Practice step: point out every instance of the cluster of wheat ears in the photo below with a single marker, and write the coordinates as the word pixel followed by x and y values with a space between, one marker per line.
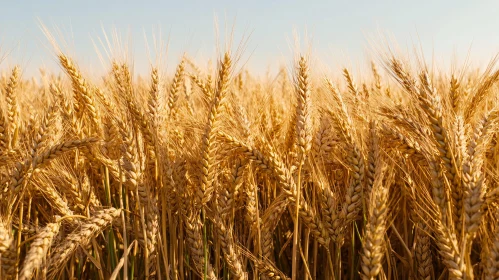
pixel 218 174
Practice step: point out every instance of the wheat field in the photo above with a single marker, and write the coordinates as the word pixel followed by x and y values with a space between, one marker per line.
pixel 218 173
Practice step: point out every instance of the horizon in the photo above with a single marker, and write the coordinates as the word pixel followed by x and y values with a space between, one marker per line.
pixel 340 34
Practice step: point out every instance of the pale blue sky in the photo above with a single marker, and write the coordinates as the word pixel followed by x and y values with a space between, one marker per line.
pixel 338 29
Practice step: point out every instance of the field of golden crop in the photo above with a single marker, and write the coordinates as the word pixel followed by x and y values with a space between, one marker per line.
pixel 220 174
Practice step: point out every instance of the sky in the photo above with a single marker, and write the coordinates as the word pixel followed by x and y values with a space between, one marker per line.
pixel 340 33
